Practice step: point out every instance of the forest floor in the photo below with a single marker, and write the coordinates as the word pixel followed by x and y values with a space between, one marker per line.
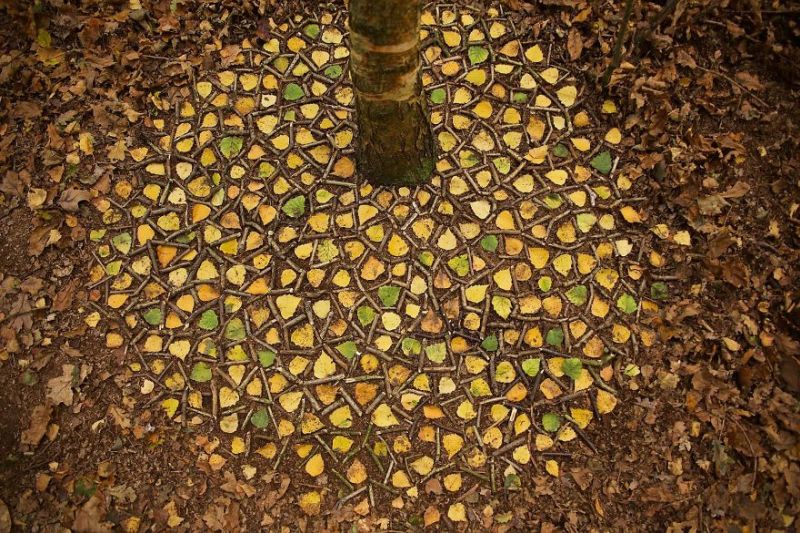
pixel 588 320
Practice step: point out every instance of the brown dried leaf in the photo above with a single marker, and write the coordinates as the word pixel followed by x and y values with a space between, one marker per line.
pixel 40 417
pixel 71 197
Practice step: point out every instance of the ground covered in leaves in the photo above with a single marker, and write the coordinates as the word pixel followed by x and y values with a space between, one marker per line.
pixel 588 318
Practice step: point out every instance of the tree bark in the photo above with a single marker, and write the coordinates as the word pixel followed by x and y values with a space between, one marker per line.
pixel 394 144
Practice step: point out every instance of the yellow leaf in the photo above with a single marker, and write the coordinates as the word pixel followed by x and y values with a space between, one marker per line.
pixel 227 397
pixel 357 473
pixel 303 336
pixel 682 238
pixel 534 54
pixel 475 293
pixel 558 176
pixel 550 75
pixel 383 416
pixel 483 109
pixel 567 95
pixel 614 136
pixel 230 423
pixel 397 246
pixel 341 417
pixel 481 208
pixel 457 512
pixel 287 305
pixel 452 482
pixel 310 502
pixel 170 406
pixel 630 214
pixel 505 220
pixel 606 402
pixel 503 279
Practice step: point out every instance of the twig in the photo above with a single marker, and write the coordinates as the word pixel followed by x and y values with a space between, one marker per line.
pixel 621 33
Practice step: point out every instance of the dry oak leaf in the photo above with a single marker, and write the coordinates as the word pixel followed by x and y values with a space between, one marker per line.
pixel 40 417
pixel 59 389
pixel 71 197
pixel 89 518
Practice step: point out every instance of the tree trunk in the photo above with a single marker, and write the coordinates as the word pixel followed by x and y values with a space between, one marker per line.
pixel 395 144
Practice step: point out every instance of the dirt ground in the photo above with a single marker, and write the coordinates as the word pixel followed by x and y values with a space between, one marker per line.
pixel 705 438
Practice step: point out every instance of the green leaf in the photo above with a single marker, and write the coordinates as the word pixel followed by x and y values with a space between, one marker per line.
pixel 658 291
pixel 632 370
pixel 438 96
pixel 502 164
pixel 265 170
pixel 512 482
pixel 334 71
pixel 235 330
pixel 230 146
pixel 602 162
pixel 208 320
pixel 122 242
pixel 295 207
pixel 585 221
pixel 426 258
pixel 555 337
pixel 207 347
pixel 260 418
pixel 323 196
pixel 389 294
pixel 43 38
pixel 532 366
pixel 572 367
pixel 85 487
pixel 519 97
pixel 490 343
pixel 489 243
pixel 152 316
pixel 327 250
pixel 293 92
pixel 201 372
pixel 553 200
pixel 436 352
pixel 411 346
pixel 459 264
pixel 545 283
pixel 266 358
pixel 281 63
pixel 627 303
pixel 365 315
pixel 29 378
pixel 602 191
pixel 477 54
pixel 186 238
pixel 347 349
pixel 560 150
pixel 312 30
pixel 551 422
pixel 501 306
pixel 113 268
pixel 578 295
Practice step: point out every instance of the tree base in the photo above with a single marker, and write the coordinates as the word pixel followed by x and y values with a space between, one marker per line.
pixel 395 145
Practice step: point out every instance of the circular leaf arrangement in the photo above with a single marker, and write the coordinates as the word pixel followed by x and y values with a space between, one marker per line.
pixel 468 327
